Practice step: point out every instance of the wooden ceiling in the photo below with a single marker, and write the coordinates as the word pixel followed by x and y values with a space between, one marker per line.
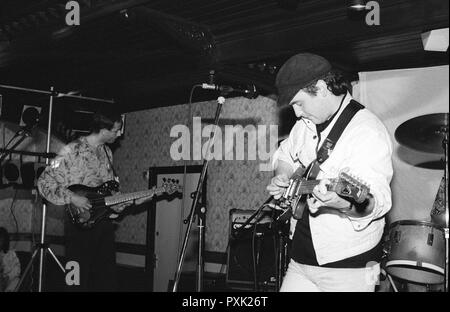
pixel 146 54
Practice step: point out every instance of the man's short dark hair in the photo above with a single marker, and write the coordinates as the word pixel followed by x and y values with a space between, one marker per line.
pixel 4 236
pixel 336 81
pixel 104 120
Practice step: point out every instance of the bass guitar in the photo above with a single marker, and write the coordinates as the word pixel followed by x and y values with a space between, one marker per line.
pixel 101 198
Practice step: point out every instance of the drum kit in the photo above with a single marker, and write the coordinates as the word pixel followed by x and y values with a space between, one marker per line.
pixel 416 252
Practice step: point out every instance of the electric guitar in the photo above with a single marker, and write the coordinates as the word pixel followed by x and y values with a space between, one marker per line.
pixel 293 201
pixel 101 199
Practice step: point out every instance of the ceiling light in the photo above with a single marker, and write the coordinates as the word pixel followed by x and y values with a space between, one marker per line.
pixel 357 5
pixel 435 40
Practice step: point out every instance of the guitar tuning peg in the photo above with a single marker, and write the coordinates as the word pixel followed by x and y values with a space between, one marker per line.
pixel 177 181
pixel 164 179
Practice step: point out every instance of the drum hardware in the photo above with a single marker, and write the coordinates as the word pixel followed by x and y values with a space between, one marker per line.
pixel 392 283
pixel 397 236
pixel 429 134
pixel 430 239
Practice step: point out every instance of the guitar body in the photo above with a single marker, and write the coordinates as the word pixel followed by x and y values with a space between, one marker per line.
pixel 298 206
pixel 295 206
pixel 96 195
pixel 299 203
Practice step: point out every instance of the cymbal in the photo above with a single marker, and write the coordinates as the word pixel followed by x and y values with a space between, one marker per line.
pixel 424 133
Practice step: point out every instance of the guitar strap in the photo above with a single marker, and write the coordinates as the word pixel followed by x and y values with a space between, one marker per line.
pixel 328 145
pixel 116 177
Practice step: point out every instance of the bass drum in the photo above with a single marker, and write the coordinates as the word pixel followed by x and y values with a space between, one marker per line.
pixel 416 252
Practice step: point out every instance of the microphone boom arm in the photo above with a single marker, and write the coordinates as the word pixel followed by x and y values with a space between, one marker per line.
pixel 249 93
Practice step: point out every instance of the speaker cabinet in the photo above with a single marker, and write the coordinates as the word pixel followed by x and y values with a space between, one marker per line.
pixel 255 242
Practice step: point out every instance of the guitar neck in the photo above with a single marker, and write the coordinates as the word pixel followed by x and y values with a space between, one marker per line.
pixel 121 198
pixel 302 187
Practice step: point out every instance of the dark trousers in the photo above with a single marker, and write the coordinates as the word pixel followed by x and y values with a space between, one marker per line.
pixel 94 250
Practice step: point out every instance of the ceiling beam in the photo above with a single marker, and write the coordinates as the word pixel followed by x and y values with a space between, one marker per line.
pixel 331 25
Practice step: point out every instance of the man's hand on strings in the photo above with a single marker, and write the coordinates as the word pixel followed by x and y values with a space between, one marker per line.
pixel 142 200
pixel 80 202
pixel 120 207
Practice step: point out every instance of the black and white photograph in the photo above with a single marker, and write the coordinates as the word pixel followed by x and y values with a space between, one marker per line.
pixel 224 153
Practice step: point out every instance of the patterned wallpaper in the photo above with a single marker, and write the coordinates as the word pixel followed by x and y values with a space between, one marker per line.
pixel 146 143
pixel 230 183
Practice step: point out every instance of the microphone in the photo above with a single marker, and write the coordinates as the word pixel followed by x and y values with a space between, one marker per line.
pixel 249 93
pixel 25 132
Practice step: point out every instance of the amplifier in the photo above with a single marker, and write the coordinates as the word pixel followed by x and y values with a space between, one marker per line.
pixel 239 216
pixel 246 243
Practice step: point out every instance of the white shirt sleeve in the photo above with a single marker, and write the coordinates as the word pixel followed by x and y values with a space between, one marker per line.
pixel 288 149
pixel 370 159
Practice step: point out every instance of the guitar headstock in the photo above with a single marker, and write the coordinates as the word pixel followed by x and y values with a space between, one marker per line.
pixel 352 186
pixel 171 186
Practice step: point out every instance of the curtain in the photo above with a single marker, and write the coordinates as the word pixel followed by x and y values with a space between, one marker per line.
pixel 396 96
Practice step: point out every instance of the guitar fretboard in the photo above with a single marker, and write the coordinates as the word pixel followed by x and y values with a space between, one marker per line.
pixel 301 186
pixel 122 198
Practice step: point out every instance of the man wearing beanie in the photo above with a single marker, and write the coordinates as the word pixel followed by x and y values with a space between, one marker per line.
pixel 336 242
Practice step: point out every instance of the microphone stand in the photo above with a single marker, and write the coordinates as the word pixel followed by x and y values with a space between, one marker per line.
pixel 42 246
pixel 446 216
pixel 24 134
pixel 200 212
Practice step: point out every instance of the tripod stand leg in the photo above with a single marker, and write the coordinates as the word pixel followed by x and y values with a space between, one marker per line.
pixel 392 283
pixel 41 266
pixel 26 271
pixel 56 259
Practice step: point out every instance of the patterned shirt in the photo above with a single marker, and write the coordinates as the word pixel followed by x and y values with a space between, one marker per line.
pixel 9 270
pixel 77 163
pixel 438 210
